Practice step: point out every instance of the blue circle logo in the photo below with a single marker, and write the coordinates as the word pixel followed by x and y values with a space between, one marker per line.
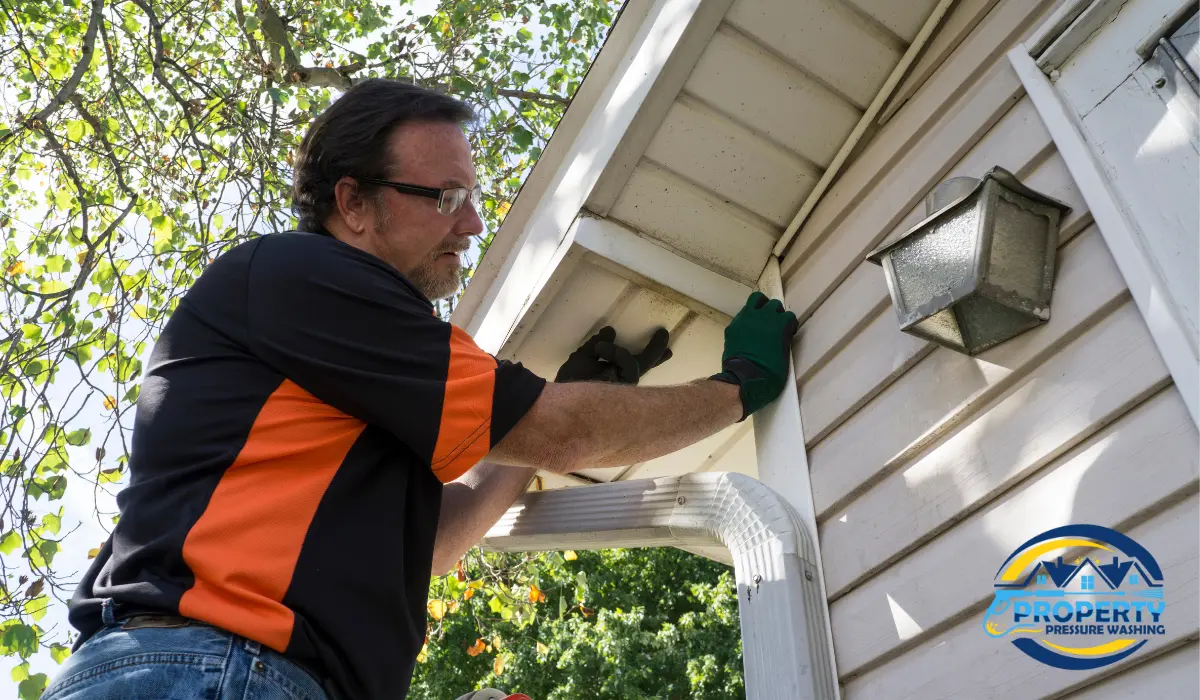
pixel 1078 597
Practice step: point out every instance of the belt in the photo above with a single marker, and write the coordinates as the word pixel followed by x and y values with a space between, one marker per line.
pixel 159 620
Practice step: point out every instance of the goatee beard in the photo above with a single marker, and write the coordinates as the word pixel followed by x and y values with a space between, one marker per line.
pixel 434 285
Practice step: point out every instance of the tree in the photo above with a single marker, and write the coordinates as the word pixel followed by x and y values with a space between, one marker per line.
pixel 610 625
pixel 138 140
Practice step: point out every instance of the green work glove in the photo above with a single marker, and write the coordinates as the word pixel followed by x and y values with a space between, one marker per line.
pixel 600 359
pixel 758 344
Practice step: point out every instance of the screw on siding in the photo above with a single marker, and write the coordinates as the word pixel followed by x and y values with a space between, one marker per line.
pixel 757 580
pixel 808 575
pixel 1160 83
pixel 681 500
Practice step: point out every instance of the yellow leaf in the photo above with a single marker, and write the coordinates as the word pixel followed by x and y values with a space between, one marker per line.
pixel 477 648
pixel 468 593
pixel 109 403
pixel 424 654
pixel 80 258
pixel 437 609
pixel 16 268
pixel 535 595
pixel 476 584
pixel 451 606
pixel 93 553
pixel 570 555
pixel 498 665
pixel 542 648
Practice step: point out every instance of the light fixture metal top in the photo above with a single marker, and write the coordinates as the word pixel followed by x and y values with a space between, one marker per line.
pixel 957 195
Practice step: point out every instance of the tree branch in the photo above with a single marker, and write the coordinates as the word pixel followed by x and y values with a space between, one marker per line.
pixel 275 30
pixel 85 60
pixel 538 96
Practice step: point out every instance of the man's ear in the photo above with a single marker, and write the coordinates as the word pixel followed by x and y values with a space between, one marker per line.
pixel 352 205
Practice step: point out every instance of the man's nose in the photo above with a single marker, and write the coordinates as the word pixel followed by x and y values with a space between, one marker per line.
pixel 471 224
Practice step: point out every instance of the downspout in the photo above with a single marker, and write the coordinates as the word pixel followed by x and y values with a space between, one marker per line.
pixel 881 98
pixel 780 602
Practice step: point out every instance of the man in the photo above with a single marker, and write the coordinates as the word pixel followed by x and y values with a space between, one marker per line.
pixel 303 409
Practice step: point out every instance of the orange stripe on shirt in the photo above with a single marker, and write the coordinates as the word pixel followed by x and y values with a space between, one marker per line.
pixel 465 433
pixel 243 549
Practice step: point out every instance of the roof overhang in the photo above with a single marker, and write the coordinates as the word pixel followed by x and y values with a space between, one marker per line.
pixel 703 133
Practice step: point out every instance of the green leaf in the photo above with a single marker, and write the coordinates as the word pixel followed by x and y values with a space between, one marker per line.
pixel 32 688
pixel 162 227
pixel 42 555
pixel 53 286
pixel 52 522
pixel 75 129
pixel 521 136
pixel 524 35
pixel 63 199
pixel 18 638
pixel 56 263
pixel 59 653
pixel 20 672
pixel 32 331
pixel 110 476
pixel 79 437
pixel 36 607
pixel 495 605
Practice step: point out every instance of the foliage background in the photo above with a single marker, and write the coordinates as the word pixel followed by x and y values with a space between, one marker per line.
pixel 611 625
pixel 141 138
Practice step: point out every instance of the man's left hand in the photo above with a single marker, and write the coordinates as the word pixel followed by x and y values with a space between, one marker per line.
pixel 600 359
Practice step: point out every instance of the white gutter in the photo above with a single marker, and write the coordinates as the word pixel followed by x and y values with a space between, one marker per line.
pixel 783 618
pixel 881 98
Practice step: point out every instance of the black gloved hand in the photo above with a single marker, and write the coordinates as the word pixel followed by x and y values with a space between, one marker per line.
pixel 758 344
pixel 600 359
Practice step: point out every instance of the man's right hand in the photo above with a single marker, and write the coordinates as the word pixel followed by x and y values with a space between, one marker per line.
pixel 758 346
pixel 576 425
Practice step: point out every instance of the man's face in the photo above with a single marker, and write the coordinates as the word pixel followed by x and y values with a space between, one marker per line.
pixel 408 231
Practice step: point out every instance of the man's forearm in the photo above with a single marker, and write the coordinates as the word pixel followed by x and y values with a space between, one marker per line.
pixel 578 425
pixel 471 505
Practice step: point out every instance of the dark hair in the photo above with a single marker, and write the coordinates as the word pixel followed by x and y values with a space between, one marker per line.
pixel 350 138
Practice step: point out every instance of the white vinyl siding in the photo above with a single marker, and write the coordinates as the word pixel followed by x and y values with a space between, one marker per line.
pixel 929 467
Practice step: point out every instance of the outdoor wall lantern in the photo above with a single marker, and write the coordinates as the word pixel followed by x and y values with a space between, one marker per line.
pixel 980 268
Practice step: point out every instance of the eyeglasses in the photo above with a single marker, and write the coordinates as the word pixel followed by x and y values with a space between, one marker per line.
pixel 449 200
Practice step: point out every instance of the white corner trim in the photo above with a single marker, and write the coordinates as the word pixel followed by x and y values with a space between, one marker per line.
pixel 491 312
pixel 624 247
pixel 781 453
pixel 780 601
pixel 1089 17
pixel 1117 228
pixel 1055 25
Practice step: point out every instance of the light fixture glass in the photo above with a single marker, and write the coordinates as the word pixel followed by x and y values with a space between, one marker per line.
pixel 980 268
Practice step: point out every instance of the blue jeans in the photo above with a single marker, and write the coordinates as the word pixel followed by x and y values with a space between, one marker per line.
pixel 179 663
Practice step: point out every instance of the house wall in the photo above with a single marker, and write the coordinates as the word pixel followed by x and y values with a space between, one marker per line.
pixel 929 467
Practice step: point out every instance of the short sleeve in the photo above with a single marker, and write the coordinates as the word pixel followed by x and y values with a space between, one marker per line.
pixel 352 331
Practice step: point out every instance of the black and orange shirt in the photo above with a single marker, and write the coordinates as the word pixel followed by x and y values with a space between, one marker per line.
pixel 299 415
